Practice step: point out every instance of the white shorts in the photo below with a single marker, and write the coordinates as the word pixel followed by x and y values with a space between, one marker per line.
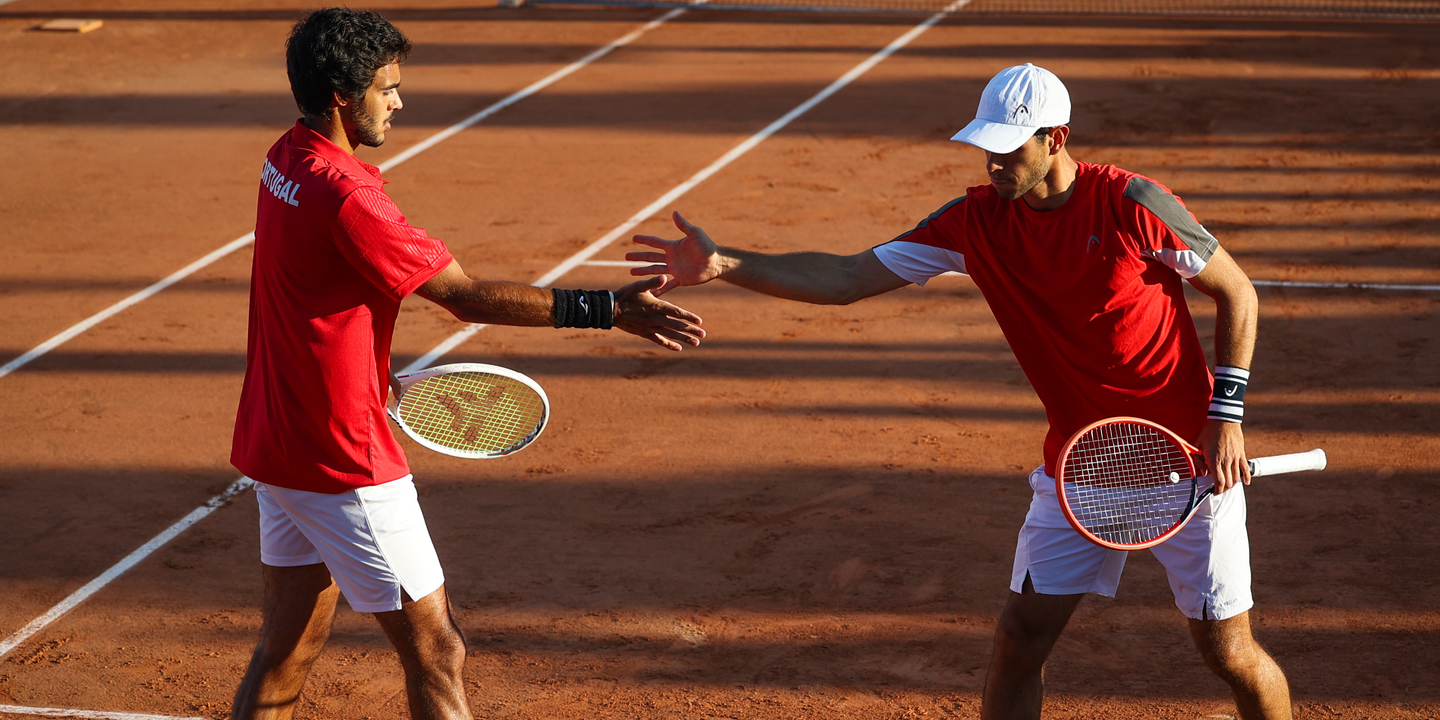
pixel 372 539
pixel 1208 561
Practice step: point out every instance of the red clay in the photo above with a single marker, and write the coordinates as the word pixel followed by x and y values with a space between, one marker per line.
pixel 813 515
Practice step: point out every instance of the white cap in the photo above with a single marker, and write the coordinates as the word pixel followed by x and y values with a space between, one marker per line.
pixel 1018 101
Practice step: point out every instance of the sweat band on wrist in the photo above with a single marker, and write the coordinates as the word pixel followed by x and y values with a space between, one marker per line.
pixel 583 309
pixel 1227 403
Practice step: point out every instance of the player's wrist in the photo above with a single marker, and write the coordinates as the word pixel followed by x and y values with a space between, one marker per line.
pixel 726 261
pixel 583 309
pixel 1227 400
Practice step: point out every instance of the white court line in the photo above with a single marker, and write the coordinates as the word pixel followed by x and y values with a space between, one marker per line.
pixel 649 210
pixel 90 588
pixel 615 263
pixel 411 152
pixel 95 714
pixel 1343 286
pixel 455 340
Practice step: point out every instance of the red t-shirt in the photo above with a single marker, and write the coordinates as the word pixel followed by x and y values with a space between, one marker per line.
pixel 1088 295
pixel 333 259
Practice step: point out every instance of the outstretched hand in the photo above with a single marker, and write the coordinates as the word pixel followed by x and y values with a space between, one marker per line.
pixel 640 313
pixel 1224 446
pixel 691 260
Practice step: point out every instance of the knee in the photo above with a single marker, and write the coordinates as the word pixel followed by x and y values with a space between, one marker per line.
pixel 440 650
pixel 1234 660
pixel 287 653
pixel 1021 645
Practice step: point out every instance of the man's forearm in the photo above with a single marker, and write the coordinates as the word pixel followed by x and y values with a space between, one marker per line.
pixel 1236 317
pixel 810 277
pixel 498 303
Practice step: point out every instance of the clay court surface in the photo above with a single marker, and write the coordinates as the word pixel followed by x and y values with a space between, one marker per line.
pixel 811 516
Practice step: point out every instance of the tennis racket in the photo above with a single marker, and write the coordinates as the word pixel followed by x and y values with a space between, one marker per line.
pixel 1127 484
pixel 470 410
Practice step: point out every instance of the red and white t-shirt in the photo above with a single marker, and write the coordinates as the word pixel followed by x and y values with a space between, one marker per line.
pixel 1089 295
pixel 333 259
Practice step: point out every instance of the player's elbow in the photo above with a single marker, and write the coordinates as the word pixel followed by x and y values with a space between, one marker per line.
pixel 847 297
pixel 460 299
pixel 859 277
pixel 1242 299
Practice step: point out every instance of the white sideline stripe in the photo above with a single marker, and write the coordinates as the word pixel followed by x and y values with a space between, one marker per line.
pixel 744 147
pixel 90 588
pixel 456 339
pixel 96 714
pixel 583 257
pixel 436 352
pixel 527 92
pixel 1343 286
pixel 111 311
pixel 411 152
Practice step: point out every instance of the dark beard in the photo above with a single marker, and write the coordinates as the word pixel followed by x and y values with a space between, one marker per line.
pixel 1023 185
pixel 368 131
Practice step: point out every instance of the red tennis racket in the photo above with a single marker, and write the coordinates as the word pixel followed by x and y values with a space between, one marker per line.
pixel 1127 484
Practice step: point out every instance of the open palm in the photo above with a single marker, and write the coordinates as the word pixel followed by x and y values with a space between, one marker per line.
pixel 691 260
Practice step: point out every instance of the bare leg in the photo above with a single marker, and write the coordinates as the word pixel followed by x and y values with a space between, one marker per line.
pixel 1028 629
pixel 432 651
pixel 1261 692
pixel 299 609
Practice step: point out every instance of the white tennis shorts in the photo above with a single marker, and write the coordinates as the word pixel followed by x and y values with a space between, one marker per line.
pixel 1208 561
pixel 372 539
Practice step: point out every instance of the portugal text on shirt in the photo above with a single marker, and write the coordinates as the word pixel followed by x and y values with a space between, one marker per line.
pixel 278 185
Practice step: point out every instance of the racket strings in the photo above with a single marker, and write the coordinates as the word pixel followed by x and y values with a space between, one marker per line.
pixel 473 411
pixel 1118 483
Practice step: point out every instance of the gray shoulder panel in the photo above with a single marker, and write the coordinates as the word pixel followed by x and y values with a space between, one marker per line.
pixel 1163 205
pixel 936 214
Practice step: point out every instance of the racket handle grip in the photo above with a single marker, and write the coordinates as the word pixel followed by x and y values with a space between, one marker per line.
pixel 1294 462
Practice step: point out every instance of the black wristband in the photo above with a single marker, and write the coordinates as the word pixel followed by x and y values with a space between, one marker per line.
pixel 1227 402
pixel 583 309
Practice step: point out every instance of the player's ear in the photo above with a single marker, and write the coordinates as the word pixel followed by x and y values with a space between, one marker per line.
pixel 1059 135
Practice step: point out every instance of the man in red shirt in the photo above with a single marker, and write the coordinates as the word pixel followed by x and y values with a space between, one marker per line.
pixel 334 257
pixel 1081 265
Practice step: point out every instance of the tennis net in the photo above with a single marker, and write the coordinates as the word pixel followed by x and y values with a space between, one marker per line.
pixel 1356 9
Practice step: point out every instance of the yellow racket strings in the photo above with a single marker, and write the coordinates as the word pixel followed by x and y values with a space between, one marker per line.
pixel 473 411
pixel 1118 483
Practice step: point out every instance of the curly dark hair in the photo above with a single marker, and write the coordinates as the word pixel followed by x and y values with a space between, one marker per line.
pixel 339 50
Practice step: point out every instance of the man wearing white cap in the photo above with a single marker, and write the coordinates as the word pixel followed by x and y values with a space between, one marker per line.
pixel 1081 265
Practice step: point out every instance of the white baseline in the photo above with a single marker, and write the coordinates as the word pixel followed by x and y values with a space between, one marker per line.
pixel 93 714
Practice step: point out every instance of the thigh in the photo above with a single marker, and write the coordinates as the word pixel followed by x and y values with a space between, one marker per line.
pixel 1208 561
pixel 299 607
pixel 373 540
pixel 421 626
pixel 1056 558
pixel 282 543
pixel 1038 617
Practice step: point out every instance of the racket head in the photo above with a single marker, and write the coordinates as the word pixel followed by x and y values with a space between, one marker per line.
pixel 471 410
pixel 1114 481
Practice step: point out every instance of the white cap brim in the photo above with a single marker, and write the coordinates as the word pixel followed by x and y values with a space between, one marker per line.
pixel 998 138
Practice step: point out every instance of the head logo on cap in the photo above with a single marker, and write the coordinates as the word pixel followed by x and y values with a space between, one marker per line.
pixel 1017 101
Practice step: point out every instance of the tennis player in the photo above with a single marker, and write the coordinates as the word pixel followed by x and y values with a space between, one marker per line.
pixel 1081 265
pixel 333 259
